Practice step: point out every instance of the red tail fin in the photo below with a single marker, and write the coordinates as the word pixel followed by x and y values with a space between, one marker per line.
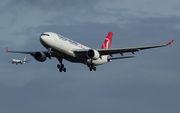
pixel 107 42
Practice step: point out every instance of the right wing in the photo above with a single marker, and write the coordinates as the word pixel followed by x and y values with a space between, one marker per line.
pixel 110 51
pixel 125 50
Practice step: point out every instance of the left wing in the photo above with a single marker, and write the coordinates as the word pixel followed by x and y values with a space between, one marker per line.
pixel 53 54
pixel 119 50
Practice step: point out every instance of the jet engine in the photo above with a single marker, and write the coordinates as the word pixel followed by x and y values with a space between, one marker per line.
pixel 93 54
pixel 40 56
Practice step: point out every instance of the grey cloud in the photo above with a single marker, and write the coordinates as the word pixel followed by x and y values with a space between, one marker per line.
pixel 53 5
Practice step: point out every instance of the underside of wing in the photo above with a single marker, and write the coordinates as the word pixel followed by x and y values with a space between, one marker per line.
pixel 81 53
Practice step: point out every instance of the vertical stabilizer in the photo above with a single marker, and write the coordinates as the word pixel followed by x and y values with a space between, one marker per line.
pixel 24 59
pixel 107 42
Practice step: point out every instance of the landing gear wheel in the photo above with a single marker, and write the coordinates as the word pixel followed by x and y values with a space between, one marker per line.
pixel 88 65
pixel 64 69
pixel 92 68
pixel 58 66
pixel 60 69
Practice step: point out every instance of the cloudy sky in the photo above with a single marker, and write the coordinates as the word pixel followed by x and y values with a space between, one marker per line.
pixel 149 83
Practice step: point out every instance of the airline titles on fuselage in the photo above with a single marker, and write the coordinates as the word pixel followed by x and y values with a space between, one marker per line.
pixel 71 41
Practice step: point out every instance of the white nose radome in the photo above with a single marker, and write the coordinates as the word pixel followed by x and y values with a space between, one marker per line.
pixel 45 40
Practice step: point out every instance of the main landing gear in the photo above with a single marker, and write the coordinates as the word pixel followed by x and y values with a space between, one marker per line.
pixel 91 67
pixel 61 65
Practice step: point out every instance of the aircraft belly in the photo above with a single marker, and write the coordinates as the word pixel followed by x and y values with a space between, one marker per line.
pixel 75 60
pixel 68 54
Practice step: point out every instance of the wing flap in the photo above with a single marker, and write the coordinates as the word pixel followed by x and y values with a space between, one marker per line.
pixel 122 57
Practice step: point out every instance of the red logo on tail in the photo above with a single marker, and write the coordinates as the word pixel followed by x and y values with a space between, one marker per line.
pixel 107 42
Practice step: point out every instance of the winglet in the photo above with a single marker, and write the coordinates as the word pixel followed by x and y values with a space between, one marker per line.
pixel 7 49
pixel 170 42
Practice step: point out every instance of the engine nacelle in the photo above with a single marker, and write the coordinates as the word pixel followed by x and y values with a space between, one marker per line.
pixel 40 56
pixel 93 54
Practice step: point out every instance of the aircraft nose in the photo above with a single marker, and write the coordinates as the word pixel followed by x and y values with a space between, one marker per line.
pixel 43 39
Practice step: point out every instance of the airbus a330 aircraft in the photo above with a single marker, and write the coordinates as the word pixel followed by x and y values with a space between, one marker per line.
pixel 16 61
pixel 63 48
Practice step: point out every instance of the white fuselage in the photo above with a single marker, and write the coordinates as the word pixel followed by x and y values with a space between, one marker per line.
pixel 65 48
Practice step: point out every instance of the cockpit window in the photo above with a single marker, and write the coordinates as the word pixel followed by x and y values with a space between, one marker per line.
pixel 45 35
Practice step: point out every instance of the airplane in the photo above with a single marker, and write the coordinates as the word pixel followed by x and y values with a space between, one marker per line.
pixel 19 61
pixel 61 48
